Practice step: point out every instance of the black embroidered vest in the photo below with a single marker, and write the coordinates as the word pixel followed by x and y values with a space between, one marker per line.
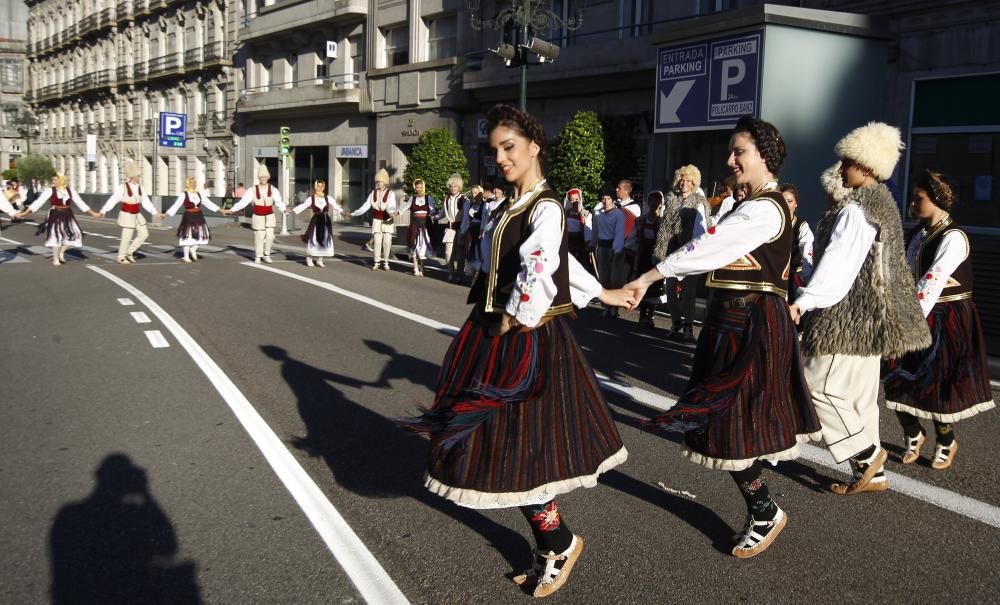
pixel 959 284
pixel 766 269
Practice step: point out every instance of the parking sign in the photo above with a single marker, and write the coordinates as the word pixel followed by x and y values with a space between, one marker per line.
pixel 173 129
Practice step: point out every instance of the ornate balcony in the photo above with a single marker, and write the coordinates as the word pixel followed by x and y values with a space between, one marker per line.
pixel 140 71
pixel 88 24
pixel 193 57
pixel 124 73
pixel 123 12
pixel 166 65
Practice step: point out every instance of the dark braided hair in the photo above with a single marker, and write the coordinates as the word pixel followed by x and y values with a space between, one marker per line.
pixel 768 140
pixel 938 189
pixel 520 122
pixel 790 188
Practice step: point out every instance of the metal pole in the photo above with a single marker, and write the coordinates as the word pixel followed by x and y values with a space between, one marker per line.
pixel 284 185
pixel 156 150
pixel 524 64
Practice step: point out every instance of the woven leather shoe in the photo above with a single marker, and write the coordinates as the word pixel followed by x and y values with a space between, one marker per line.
pixel 861 484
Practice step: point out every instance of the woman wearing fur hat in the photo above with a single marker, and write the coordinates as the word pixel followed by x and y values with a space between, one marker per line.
pixel 861 305
pixel 319 234
pixel 382 202
pixel 685 217
pixel 60 226
pixel 747 398
pixel 950 381
pixel 451 212
pixel 265 199
pixel 519 417
pixel 130 218
pixel 193 230
pixel 579 223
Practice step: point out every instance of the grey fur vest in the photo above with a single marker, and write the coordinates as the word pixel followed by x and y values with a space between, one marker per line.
pixel 880 314
pixel 678 221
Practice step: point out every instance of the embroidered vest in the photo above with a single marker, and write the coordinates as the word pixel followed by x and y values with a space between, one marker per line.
pixel 58 203
pixel 493 289
pixel 959 284
pixel 380 212
pixel 316 209
pixel 765 269
pixel 419 211
pixel 190 206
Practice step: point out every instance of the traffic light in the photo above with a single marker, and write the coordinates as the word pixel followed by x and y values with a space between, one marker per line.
pixel 285 140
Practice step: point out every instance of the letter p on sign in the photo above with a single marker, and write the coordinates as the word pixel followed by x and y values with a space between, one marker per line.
pixel 173 125
pixel 733 72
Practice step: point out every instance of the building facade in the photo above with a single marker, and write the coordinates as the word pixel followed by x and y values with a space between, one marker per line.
pixel 107 69
pixel 14 125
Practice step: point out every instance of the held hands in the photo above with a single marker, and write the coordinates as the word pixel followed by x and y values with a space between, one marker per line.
pixel 95 214
pixel 796 313
pixel 637 289
pixel 224 212
pixel 21 214
pixel 622 297
pixel 507 323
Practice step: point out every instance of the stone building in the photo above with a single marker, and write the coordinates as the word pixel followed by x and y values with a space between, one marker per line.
pixel 13 45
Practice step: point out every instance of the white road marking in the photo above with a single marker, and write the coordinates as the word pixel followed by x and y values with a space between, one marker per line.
pixel 368 576
pixel 9 258
pixel 140 317
pixel 10 241
pixel 948 500
pixel 126 302
pixel 157 339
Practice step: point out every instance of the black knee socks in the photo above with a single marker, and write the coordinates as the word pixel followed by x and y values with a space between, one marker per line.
pixel 911 428
pixel 945 433
pixel 548 527
pixel 754 489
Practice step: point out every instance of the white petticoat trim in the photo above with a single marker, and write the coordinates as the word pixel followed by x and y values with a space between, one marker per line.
pixel 725 464
pixel 471 498
pixel 947 418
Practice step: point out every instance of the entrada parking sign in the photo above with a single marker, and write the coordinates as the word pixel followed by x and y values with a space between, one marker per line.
pixel 173 129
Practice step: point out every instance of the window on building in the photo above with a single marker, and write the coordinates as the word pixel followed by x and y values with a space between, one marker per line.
pixel 397 45
pixel 10 73
pixel 321 70
pixel 441 36
pixel 357 50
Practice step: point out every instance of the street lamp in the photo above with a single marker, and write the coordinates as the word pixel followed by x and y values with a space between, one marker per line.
pixel 519 24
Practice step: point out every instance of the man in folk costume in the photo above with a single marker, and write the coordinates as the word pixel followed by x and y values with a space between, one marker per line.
pixel 606 218
pixel 130 218
pixel 382 202
pixel 860 306
pixel 451 213
pixel 470 229
pixel 265 198
pixel 421 207
pixel 626 244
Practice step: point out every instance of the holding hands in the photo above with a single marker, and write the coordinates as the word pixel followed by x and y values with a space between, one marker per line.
pixel 796 313
pixel 621 297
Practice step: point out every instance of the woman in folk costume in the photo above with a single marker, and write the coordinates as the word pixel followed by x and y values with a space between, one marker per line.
pixel 382 202
pixel 130 218
pixel 801 266
pixel 860 306
pixel 451 212
pixel 421 207
pixel 9 198
pixel 193 230
pixel 949 381
pixel 519 417
pixel 265 199
pixel 747 398
pixel 579 223
pixel 685 217
pixel 60 226
pixel 646 259
pixel 319 234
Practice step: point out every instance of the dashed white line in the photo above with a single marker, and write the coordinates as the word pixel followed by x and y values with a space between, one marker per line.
pixel 127 302
pixel 140 317
pixel 368 576
pixel 157 339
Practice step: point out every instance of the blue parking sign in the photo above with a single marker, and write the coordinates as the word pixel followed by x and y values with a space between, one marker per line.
pixel 173 129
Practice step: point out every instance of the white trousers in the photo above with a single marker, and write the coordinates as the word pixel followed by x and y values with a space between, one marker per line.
pixel 844 389
pixel 262 240
pixel 132 238
pixel 382 244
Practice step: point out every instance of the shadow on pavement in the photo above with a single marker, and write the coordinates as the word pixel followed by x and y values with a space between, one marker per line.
pixel 117 546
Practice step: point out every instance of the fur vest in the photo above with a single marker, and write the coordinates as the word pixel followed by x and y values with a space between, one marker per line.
pixel 880 314
pixel 679 216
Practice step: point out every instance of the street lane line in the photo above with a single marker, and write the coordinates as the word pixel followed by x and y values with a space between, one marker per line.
pixel 126 302
pixel 156 339
pixel 365 572
pixel 10 241
pixel 948 500
pixel 140 317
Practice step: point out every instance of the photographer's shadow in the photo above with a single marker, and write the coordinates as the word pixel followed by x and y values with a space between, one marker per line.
pixel 117 545
pixel 369 454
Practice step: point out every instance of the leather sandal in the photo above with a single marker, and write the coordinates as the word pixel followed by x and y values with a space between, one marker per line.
pixel 752 542
pixel 913 445
pixel 944 455
pixel 863 481
pixel 552 578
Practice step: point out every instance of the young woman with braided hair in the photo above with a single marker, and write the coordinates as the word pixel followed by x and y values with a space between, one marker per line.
pixel 747 398
pixel 519 417
pixel 950 381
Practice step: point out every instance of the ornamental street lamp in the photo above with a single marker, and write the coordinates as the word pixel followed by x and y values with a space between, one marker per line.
pixel 519 23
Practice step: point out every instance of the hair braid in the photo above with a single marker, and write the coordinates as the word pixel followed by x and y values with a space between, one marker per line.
pixel 937 187
pixel 768 140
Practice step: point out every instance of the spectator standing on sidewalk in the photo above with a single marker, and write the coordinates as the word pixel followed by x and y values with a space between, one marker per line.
pixel 451 212
pixel 605 220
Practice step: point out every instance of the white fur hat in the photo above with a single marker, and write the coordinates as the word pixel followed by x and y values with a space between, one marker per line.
pixel 382 176
pixel 262 171
pixel 131 169
pixel 833 184
pixel 875 146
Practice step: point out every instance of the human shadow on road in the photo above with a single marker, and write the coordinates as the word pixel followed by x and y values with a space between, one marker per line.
pixel 402 366
pixel 117 546
pixel 370 455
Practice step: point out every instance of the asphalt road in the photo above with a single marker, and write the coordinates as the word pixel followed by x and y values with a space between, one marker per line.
pixel 246 453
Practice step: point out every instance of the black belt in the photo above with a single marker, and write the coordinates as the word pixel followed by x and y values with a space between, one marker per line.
pixel 605 243
pixel 739 302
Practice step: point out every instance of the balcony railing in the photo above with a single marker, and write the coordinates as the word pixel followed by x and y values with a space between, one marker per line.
pixel 167 64
pixel 88 24
pixel 124 10
pixel 193 57
pixel 124 73
pixel 140 71
pixel 215 53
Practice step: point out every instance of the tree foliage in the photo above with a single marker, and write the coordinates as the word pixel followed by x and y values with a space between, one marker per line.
pixel 577 157
pixel 8 174
pixel 37 167
pixel 435 157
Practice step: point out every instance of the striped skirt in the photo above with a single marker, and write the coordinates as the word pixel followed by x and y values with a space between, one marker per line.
pixel 747 398
pixel 517 419
pixel 950 380
pixel 193 230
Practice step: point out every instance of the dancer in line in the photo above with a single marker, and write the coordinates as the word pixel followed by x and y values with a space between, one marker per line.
pixel 747 398
pixel 60 226
pixel 382 202
pixel 801 267
pixel 519 417
pixel 319 234
pixel 860 306
pixel 421 207
pixel 193 230
pixel 130 218
pixel 265 199
pixel 451 212
pixel 950 380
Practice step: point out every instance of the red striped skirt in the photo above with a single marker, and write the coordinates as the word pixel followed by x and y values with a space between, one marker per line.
pixel 950 380
pixel 517 419
pixel 747 398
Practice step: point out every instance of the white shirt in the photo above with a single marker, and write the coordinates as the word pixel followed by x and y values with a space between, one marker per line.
pixel 724 208
pixel 251 195
pixel 197 198
pixel 119 193
pixel 6 207
pixel 66 195
pixel 850 243
pixel 321 202
pixel 390 204
pixel 951 252
pixel 539 261
pixel 632 240
pixel 744 230
pixel 805 240
pixel 19 197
